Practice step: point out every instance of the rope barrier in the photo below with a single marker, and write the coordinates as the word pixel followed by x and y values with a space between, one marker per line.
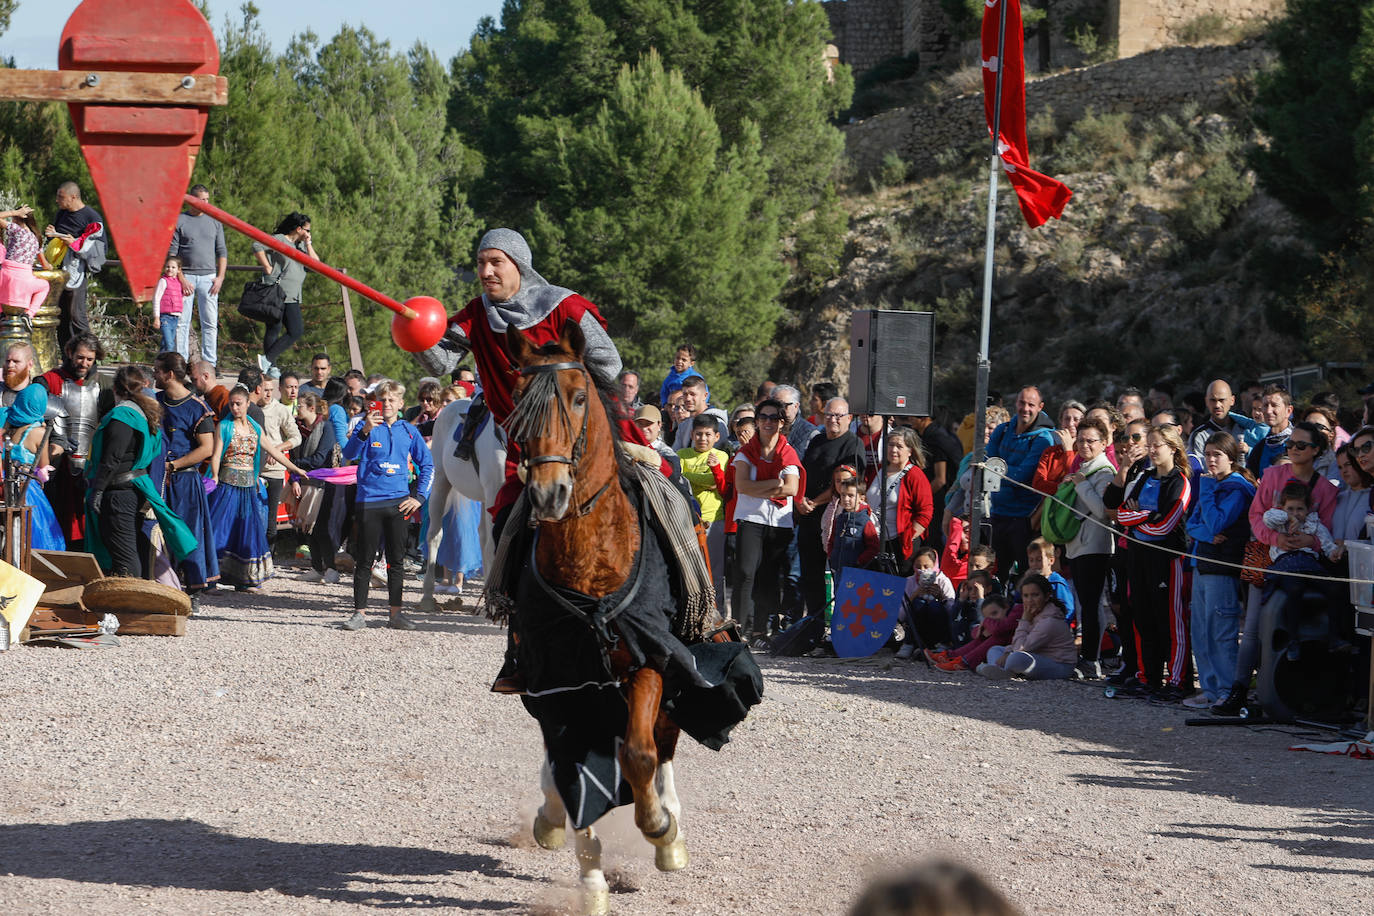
pixel 1179 553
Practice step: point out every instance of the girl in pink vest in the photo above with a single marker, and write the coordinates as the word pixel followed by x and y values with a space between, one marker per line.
pixel 167 304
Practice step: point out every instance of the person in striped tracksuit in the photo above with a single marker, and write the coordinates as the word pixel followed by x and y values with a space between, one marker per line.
pixel 1153 510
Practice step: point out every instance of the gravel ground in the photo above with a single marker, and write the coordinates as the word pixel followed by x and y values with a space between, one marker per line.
pixel 267 763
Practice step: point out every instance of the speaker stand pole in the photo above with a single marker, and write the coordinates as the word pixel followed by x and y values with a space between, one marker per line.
pixel 980 397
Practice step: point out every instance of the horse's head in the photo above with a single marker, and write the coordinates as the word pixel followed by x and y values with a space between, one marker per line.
pixel 557 413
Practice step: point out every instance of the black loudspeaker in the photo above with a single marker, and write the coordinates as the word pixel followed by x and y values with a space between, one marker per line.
pixel 892 363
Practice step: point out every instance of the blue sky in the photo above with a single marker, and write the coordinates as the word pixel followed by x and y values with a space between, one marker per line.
pixel 445 26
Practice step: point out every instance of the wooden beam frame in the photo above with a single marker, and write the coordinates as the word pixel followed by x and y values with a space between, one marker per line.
pixel 112 86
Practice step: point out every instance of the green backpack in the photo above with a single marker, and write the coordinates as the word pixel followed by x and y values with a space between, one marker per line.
pixel 1059 523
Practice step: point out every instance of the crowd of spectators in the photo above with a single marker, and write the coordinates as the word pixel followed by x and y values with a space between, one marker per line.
pixel 1129 541
pixel 1114 551
pixel 173 476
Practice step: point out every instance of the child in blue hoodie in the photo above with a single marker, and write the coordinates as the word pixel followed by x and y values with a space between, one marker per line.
pixel 684 364
pixel 385 447
pixel 1220 529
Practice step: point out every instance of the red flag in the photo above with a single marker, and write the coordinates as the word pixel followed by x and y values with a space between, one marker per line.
pixel 1039 195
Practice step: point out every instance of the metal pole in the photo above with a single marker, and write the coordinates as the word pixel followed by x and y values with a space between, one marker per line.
pixel 257 235
pixel 980 397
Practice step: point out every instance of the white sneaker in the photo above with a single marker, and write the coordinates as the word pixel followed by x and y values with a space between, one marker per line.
pixel 379 574
pixel 263 364
pixel 906 651
pixel 445 589
pixel 312 575
pixel 331 576
pixel 1199 700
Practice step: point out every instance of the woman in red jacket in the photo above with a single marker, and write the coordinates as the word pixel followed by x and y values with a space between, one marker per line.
pixel 909 502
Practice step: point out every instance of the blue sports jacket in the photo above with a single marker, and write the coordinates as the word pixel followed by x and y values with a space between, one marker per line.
pixel 1021 451
pixel 1222 507
pixel 383 471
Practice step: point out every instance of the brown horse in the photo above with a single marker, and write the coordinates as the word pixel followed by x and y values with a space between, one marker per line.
pixel 589 535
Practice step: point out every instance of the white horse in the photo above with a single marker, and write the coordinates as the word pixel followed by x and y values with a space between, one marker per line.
pixel 479 483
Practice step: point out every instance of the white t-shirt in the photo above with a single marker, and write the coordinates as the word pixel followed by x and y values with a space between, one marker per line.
pixel 756 508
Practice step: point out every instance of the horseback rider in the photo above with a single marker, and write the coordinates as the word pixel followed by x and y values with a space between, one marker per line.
pixel 515 295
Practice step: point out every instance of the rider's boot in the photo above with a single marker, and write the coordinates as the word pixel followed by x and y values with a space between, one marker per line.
pixel 509 679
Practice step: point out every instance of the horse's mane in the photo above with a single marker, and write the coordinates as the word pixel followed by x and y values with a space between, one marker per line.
pixel 531 415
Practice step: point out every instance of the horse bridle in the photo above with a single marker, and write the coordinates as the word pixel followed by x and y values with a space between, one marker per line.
pixel 579 444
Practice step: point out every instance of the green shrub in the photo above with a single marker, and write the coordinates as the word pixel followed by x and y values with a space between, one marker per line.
pixel 892 172
pixel 1096 141
pixel 1209 27
pixel 1214 196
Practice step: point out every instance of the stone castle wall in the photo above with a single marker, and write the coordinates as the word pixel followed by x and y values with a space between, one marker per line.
pixel 1144 85
pixel 866 31
pixel 1144 25
pixel 870 31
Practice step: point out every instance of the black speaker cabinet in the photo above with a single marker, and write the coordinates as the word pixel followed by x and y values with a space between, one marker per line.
pixel 891 365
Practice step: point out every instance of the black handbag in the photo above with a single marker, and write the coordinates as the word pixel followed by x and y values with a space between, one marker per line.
pixel 263 300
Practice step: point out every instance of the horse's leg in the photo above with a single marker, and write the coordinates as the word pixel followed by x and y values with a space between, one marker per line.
pixel 596 893
pixel 438 506
pixel 549 820
pixel 672 857
pixel 639 757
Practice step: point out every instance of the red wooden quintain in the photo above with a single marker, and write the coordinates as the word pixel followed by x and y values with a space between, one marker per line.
pixel 140 155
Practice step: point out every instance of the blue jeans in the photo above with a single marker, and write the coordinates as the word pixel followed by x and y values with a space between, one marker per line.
pixel 1030 666
pixel 1217 614
pixel 169 331
pixel 207 304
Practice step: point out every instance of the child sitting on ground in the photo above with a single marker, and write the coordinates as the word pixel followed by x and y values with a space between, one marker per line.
pixel 1042 647
pixel 1293 516
pixel 851 538
pixel 995 629
pixel 703 466
pixel 927 604
pixel 968 604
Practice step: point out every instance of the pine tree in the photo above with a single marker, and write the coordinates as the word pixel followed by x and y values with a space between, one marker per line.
pixel 530 91
pixel 675 234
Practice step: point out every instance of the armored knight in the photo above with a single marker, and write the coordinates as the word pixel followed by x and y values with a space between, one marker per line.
pixel 74 393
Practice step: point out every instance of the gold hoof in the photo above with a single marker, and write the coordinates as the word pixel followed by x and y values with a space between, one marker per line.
pixel 672 857
pixel 548 834
pixel 596 901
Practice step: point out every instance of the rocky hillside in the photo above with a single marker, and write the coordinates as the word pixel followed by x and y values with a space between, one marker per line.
pixel 1169 263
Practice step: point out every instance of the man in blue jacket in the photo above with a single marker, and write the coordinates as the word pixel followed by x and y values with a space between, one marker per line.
pixel 1018 442
pixel 385 447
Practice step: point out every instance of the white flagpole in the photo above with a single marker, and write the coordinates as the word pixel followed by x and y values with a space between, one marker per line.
pixel 980 398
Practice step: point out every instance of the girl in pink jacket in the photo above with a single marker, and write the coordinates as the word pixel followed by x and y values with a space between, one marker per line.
pixel 1042 647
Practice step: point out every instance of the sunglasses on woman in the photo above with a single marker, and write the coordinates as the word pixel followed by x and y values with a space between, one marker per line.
pixel 1299 446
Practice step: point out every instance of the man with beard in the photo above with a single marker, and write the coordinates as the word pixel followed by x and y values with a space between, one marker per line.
pixel 19 388
pixel 203 377
pixel 26 406
pixel 75 385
